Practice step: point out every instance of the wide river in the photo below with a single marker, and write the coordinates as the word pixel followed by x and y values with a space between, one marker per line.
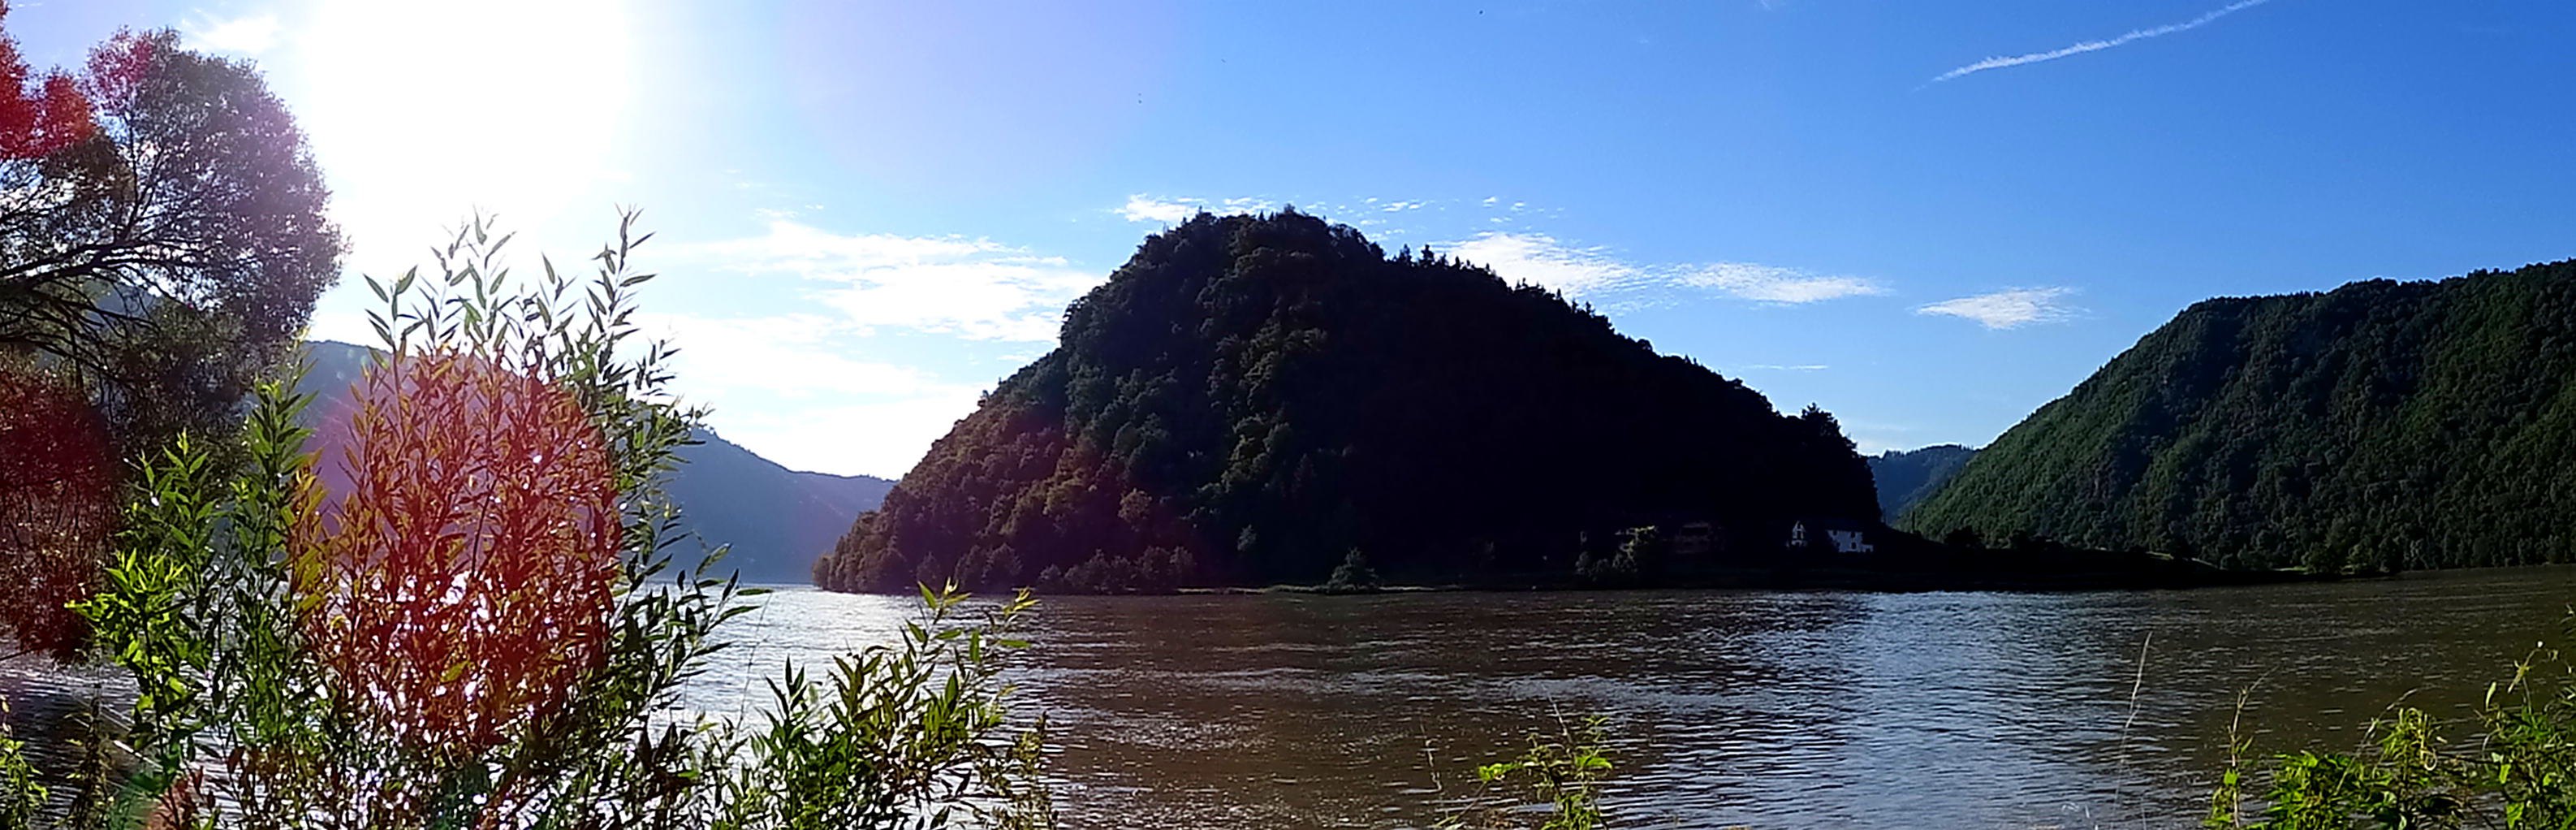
pixel 1726 708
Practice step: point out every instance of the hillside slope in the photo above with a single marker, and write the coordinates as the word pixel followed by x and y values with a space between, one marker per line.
pixel 2382 424
pixel 778 520
pixel 1906 476
pixel 1249 399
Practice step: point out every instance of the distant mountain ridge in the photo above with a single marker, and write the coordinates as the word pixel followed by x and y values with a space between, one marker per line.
pixel 777 520
pixel 1251 399
pixel 2379 425
pixel 1906 476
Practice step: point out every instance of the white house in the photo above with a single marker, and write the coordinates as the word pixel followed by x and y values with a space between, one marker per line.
pixel 1695 539
pixel 1844 535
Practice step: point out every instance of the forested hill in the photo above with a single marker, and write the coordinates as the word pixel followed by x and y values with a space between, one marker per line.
pixel 1249 399
pixel 777 520
pixel 2382 424
pixel 1906 476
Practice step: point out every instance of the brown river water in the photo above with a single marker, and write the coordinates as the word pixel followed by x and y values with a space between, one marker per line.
pixel 1726 708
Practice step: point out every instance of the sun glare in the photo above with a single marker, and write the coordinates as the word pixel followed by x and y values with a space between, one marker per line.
pixel 421 112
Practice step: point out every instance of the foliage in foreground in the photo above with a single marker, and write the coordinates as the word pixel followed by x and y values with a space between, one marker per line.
pixel 163 230
pixel 244 602
pixel 1561 775
pixel 2520 772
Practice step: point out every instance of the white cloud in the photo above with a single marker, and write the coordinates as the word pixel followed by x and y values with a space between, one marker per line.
pixel 1773 284
pixel 2124 39
pixel 784 387
pixel 345 327
pixel 791 356
pixel 1539 259
pixel 249 35
pixel 1143 208
pixel 1171 210
pixel 879 439
pixel 972 288
pixel 2008 309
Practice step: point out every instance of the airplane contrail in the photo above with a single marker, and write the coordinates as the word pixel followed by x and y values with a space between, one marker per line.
pixel 2132 36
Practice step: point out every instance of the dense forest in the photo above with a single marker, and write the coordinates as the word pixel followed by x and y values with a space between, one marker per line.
pixel 1251 400
pixel 2382 425
pixel 1906 476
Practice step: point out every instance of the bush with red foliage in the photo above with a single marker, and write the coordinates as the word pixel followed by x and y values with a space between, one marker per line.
pixel 38 119
pixel 57 506
pixel 460 583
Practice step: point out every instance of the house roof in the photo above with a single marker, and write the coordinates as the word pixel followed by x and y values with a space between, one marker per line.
pixel 1833 523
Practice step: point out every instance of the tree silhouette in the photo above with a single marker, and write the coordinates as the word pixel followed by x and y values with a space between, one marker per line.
pixel 162 229
pixel 1248 396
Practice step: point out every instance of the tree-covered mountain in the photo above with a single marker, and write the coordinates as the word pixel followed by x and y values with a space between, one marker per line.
pixel 2383 424
pixel 1249 399
pixel 1906 476
pixel 777 520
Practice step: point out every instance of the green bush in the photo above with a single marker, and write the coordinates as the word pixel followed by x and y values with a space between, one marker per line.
pixel 1563 772
pixel 238 723
pixel 2520 772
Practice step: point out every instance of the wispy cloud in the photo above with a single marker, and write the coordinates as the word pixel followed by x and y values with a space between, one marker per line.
pixel 1540 259
pixel 249 35
pixel 896 432
pixel 792 355
pixel 789 385
pixel 2132 36
pixel 785 387
pixel 2008 309
pixel 1774 284
pixel 1143 208
pixel 1173 210
pixel 973 288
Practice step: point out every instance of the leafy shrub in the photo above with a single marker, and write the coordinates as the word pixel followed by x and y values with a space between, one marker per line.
pixel 57 505
pixel 2520 772
pixel 1354 574
pixel 1564 774
pixel 462 465
pixel 468 637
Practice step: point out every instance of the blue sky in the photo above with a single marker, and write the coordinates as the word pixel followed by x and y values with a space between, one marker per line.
pixel 1930 218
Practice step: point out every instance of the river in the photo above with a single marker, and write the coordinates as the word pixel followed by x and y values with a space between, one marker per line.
pixel 1725 708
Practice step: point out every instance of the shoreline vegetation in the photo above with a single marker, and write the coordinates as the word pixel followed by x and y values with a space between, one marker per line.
pixel 1861 581
pixel 2038 570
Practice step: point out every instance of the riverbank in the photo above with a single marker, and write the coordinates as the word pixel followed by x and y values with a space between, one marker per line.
pixel 1942 569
